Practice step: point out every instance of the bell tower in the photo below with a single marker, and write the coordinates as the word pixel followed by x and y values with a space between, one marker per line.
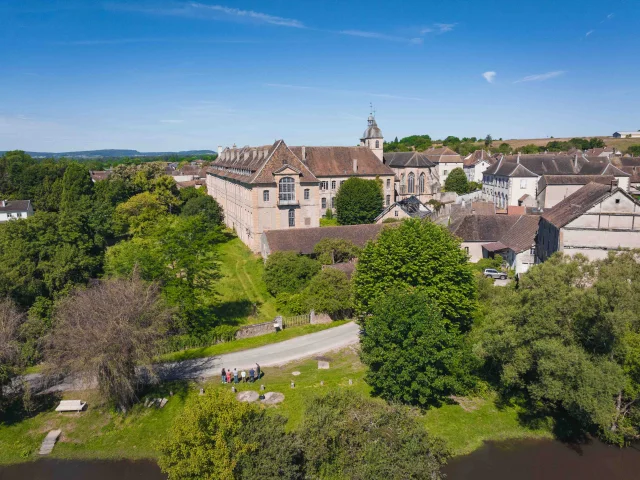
pixel 372 136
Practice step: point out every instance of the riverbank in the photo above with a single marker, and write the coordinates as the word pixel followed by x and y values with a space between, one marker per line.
pixel 101 433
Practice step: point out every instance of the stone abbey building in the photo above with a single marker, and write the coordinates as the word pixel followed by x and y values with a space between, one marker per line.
pixel 279 186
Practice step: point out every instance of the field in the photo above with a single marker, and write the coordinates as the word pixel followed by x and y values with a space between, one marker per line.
pixel 620 143
pixel 243 296
pixel 101 433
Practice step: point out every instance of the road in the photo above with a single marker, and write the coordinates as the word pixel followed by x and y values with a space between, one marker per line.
pixel 297 348
pixel 269 355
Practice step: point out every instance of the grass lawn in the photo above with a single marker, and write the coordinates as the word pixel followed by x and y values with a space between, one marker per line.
pixel 243 296
pixel 100 433
pixel 247 343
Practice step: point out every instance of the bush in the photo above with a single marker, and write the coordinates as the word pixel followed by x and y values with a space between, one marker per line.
pixel 205 206
pixel 289 272
pixel 335 250
pixel 457 182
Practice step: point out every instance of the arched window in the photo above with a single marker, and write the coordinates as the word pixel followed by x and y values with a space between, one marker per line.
pixel 411 182
pixel 421 183
pixel 287 189
pixel 377 143
pixel 402 185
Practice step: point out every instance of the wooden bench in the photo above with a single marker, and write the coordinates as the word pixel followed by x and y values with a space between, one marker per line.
pixel 71 406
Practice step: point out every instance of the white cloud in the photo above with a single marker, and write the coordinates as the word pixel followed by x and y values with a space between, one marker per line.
pixel 379 36
pixel 489 76
pixel 541 76
pixel 610 16
pixel 250 14
pixel 589 33
pixel 445 27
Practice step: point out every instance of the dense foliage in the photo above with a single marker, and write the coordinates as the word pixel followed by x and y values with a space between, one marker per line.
pixel 11 319
pixel 417 254
pixel 634 150
pixel 414 355
pixel 359 201
pixel 218 438
pixel 335 250
pixel 347 436
pixel 329 292
pixel 457 182
pixel 568 341
pixel 288 272
pixel 406 144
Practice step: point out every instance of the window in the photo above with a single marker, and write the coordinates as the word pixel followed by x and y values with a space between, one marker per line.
pixel 617 201
pixel 402 183
pixel 466 250
pixel 396 213
pixel 19 214
pixel 287 189
pixel 306 193
pixel 324 185
pixel 388 182
pixel 324 203
pixel 411 182
pixel 388 200
pixel 523 183
pixel 333 202
pixel 445 173
pixel 421 183
pixel 333 184
pixel 377 143
pixel 265 195
pixel 341 182
pixel 292 218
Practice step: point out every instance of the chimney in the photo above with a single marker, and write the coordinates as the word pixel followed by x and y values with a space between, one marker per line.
pixel 355 165
pixel 518 159
pixel 575 162
pixel 219 149
pixel 303 155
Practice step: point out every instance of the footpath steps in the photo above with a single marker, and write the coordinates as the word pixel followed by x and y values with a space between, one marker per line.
pixel 49 442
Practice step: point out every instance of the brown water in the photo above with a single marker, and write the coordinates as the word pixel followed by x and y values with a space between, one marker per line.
pixel 521 460
pixel 546 460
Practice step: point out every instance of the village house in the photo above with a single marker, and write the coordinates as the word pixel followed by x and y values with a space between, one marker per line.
pixel 517 246
pixel 474 231
pixel 592 221
pixel 552 189
pixel 15 209
pixel 476 163
pixel 409 207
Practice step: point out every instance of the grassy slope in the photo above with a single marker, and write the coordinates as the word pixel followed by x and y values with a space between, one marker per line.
pixel 101 433
pixel 242 286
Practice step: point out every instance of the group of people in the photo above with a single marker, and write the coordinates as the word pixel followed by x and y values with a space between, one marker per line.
pixel 254 374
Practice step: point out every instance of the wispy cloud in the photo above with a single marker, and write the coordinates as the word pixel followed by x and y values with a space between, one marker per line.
pixel 589 33
pixel 489 76
pixel 340 91
pixel 250 14
pixel 438 28
pixel 170 121
pixel 541 76
pixel 380 36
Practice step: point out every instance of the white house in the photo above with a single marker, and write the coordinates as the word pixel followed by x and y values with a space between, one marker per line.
pixel 517 246
pixel 476 163
pixel 626 134
pixel 15 209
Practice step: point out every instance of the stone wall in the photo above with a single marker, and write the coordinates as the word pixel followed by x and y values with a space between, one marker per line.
pixel 255 330
pixel 319 318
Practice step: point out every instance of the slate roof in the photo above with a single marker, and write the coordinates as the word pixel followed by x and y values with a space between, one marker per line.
pixel 442 155
pixel 372 131
pixel 577 204
pixel 574 180
pixel 482 228
pixel 338 161
pixel 478 156
pixel 522 235
pixel 408 159
pixel 601 168
pixel 303 240
pixel 11 206
pixel 412 206
pixel 536 165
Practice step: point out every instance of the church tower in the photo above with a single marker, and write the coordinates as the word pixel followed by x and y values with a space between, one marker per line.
pixel 372 137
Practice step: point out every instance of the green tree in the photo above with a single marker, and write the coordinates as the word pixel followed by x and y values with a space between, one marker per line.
pixel 417 254
pixel 206 206
pixel 188 193
pixel 529 149
pixel 348 436
pixel 359 201
pixel 329 292
pixel 288 272
pixel 504 148
pixel 414 355
pixel 595 142
pixel 10 321
pixel 488 141
pixel 634 150
pixel 218 438
pixel 139 214
pixel 457 182
pixel 335 250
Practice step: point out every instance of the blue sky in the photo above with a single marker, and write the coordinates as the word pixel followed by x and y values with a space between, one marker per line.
pixel 169 75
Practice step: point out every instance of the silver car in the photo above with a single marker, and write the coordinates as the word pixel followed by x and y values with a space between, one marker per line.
pixel 493 273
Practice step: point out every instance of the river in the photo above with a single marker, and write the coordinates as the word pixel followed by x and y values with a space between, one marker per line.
pixel 524 460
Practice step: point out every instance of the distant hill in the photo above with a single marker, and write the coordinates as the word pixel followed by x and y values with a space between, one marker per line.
pixel 117 153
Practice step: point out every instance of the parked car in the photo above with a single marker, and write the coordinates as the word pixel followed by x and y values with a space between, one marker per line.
pixel 493 273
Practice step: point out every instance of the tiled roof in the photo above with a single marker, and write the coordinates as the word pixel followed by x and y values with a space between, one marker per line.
pixel 338 161
pixel 537 165
pixel 574 180
pixel 407 159
pixel 478 156
pixel 522 235
pixel 98 175
pixel 442 155
pixel 412 206
pixel 601 168
pixel 576 204
pixel 303 240
pixel 10 206
pixel 482 228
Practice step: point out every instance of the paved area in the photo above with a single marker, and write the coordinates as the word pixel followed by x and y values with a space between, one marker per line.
pixel 269 355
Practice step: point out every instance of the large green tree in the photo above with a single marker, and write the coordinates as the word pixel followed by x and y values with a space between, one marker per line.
pixel 335 250
pixel 457 182
pixel 359 201
pixel 329 292
pixel 417 254
pixel 288 272
pixel 349 436
pixel 414 355
pixel 206 206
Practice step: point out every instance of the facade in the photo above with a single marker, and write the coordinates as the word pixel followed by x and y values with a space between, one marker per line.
pixel 410 207
pixel 593 221
pixel 415 174
pixel 15 209
pixel 264 188
pixel 372 138
pixel 517 246
pixel 476 164
pixel 446 160
pixel 552 189
pixel 626 134
pixel 475 231
pixel 513 177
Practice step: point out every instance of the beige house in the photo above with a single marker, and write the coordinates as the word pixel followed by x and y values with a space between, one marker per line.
pixel 263 188
pixel 476 163
pixel 474 231
pixel 593 221
pixel 552 189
